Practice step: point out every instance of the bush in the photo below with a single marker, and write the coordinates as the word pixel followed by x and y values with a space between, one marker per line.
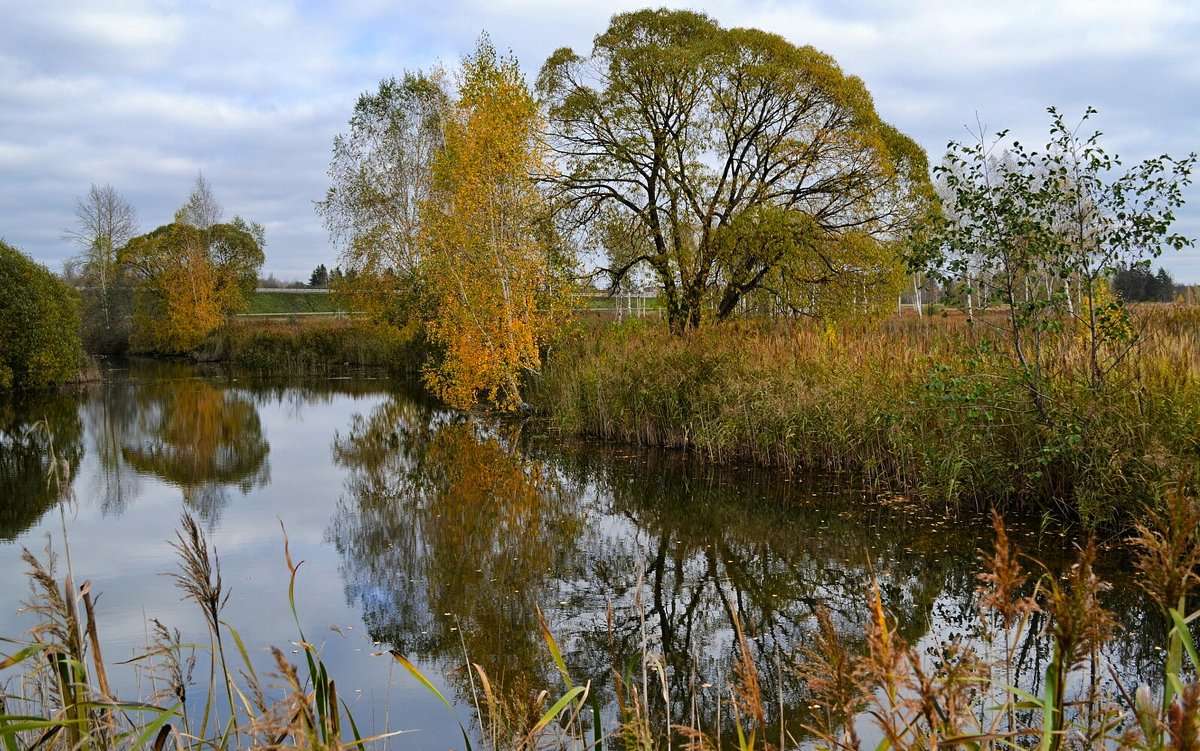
pixel 39 325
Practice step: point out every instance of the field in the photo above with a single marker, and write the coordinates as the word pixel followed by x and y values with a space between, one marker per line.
pixel 290 302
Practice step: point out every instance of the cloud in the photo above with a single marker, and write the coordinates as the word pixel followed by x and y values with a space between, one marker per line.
pixel 144 94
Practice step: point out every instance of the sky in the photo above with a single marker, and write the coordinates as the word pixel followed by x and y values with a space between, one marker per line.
pixel 143 96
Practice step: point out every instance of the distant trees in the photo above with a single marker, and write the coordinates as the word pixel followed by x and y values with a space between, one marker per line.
pixel 319 278
pixel 39 324
pixel 1138 284
pixel 188 277
pixel 732 162
pixel 105 222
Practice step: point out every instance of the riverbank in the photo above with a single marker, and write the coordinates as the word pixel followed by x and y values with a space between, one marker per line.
pixel 934 408
pixel 315 345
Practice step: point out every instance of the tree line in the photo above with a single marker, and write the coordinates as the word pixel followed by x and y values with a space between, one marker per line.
pixel 742 173
pixel 166 290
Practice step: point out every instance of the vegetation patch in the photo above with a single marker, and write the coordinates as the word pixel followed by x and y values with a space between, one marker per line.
pixel 39 325
pixel 315 345
pixel 290 302
pixel 934 408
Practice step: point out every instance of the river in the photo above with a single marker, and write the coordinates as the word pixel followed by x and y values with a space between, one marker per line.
pixel 441 535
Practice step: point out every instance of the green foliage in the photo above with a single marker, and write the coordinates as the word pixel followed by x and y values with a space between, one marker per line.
pixel 382 173
pixel 694 145
pixel 319 278
pixel 1039 232
pixel 104 223
pixel 286 303
pixel 39 325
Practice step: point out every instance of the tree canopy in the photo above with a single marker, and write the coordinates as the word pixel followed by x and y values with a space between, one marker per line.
pixel 440 220
pixel 105 221
pixel 39 324
pixel 382 172
pixel 188 278
pixel 484 239
pixel 1138 284
pixel 1041 231
pixel 731 162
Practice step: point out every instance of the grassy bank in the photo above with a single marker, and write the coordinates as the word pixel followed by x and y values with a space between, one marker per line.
pixel 291 302
pixel 932 407
pixel 314 345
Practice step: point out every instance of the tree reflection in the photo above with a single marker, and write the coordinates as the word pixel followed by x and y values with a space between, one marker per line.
pixel 26 491
pixel 451 539
pixel 197 436
pixel 445 525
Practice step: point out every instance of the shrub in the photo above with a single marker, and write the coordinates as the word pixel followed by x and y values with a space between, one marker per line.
pixel 39 324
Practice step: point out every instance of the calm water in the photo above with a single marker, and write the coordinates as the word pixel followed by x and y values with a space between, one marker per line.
pixel 431 533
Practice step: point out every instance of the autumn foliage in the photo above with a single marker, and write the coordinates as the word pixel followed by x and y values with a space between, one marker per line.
pixel 484 243
pixel 187 279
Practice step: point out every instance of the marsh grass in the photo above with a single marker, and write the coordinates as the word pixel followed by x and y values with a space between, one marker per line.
pixel 931 408
pixel 61 698
pixel 314 346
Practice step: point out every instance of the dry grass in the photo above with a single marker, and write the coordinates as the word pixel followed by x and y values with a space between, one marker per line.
pixel 933 408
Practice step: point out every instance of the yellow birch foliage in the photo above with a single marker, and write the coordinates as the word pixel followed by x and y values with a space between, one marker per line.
pixel 178 301
pixel 486 242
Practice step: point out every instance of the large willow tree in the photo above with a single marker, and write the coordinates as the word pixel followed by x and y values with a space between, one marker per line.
pixel 731 162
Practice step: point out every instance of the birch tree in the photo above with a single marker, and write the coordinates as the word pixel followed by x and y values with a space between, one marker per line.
pixel 382 173
pixel 104 222
pixel 485 239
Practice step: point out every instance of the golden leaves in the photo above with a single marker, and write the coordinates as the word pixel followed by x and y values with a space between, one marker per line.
pixel 485 258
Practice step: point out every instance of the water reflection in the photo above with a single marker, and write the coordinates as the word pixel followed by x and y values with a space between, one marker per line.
pixel 33 428
pixel 450 538
pixel 197 434
pixel 453 534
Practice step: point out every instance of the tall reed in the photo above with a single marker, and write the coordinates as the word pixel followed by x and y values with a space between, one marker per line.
pixel 64 700
pixel 931 408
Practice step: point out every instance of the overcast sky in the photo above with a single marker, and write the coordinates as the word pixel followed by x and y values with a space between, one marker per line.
pixel 143 95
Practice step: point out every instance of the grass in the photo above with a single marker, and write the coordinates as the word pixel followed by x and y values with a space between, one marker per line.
pixel 932 408
pixel 286 303
pixel 315 345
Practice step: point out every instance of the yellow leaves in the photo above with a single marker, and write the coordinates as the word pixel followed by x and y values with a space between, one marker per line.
pixel 178 301
pixel 183 292
pixel 484 258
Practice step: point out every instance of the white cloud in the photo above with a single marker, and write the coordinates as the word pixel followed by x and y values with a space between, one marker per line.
pixel 144 94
